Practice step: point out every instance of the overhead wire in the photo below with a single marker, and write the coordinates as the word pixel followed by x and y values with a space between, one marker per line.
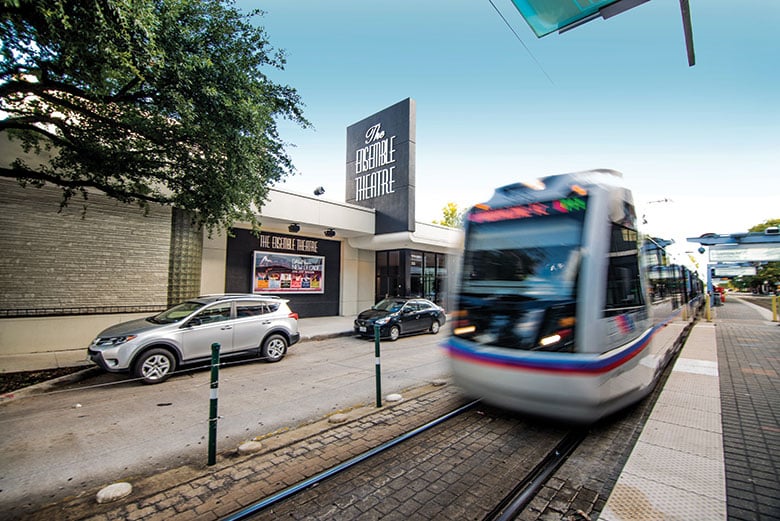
pixel 528 50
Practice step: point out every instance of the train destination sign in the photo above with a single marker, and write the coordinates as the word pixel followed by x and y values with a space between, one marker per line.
pixel 561 206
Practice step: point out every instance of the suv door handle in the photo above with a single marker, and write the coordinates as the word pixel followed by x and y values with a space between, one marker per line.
pixel 226 328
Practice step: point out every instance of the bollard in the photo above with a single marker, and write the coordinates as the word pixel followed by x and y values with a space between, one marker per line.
pixel 213 403
pixel 774 308
pixel 378 367
pixel 708 311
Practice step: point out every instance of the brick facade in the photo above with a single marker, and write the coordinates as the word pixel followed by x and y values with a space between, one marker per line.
pixel 103 258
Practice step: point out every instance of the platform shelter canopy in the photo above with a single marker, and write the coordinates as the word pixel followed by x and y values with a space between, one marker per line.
pixel 547 16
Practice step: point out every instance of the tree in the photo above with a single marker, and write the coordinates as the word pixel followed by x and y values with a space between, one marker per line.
pixel 452 216
pixel 150 101
pixel 768 273
pixel 769 223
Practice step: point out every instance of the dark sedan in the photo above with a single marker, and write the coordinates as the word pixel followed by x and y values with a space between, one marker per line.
pixel 400 316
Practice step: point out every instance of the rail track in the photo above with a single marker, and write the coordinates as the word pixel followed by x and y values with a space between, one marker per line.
pixel 472 463
pixel 476 462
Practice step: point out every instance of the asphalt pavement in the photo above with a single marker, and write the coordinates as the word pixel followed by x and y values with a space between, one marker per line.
pixel 70 439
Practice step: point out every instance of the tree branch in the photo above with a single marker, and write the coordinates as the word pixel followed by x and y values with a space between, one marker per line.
pixel 122 194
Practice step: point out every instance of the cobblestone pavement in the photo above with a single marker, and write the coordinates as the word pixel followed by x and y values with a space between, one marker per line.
pixel 286 458
pixel 749 367
pixel 582 485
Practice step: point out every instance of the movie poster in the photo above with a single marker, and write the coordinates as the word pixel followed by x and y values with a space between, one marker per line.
pixel 288 273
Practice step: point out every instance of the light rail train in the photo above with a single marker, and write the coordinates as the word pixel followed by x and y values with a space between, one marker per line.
pixel 564 309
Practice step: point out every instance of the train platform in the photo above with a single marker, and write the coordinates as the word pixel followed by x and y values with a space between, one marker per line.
pixel 711 447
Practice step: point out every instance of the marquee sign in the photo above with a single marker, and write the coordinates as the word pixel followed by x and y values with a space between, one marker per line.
pixel 381 166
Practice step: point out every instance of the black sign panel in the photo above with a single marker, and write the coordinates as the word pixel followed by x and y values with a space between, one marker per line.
pixel 381 166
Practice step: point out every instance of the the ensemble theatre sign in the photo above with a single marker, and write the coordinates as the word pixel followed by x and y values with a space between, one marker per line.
pixel 380 166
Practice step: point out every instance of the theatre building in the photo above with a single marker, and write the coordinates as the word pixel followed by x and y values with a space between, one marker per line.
pixel 68 274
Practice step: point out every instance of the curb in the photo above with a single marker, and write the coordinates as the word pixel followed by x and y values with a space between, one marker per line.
pixel 48 385
pixel 326 336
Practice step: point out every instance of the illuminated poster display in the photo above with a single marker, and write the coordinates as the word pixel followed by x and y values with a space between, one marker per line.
pixel 288 273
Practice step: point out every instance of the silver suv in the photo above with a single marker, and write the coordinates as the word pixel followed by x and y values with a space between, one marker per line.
pixel 152 348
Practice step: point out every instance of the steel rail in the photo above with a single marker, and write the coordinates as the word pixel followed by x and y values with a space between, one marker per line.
pixel 526 490
pixel 300 486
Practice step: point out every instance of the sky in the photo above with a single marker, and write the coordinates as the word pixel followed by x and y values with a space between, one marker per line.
pixel 699 146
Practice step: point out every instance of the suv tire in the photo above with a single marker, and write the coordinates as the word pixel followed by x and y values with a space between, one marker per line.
pixel 154 366
pixel 274 348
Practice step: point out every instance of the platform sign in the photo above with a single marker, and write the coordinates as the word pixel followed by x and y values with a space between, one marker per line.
pixel 735 271
pixel 744 253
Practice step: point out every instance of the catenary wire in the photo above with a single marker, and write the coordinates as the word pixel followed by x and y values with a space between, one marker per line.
pixel 522 42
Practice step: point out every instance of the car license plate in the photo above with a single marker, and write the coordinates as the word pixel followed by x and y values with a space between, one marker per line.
pixel 363 329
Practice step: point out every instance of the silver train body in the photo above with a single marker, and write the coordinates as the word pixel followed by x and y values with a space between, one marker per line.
pixel 564 310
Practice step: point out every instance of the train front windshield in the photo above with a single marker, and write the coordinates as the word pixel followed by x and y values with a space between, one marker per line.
pixel 520 280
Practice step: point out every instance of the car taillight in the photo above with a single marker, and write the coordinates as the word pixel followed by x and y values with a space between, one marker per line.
pixel 293 315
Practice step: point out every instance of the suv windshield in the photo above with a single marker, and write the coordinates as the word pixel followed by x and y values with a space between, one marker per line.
pixel 176 313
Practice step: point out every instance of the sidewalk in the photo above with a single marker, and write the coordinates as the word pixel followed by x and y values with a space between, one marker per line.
pixel 691 460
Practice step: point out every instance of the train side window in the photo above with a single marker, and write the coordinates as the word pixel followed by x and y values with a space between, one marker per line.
pixel 624 284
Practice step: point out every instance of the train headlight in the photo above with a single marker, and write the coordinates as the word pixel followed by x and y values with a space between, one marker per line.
pixel 550 340
pixel 458 331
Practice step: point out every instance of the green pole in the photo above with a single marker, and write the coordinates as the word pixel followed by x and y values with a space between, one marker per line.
pixel 774 308
pixel 378 367
pixel 213 403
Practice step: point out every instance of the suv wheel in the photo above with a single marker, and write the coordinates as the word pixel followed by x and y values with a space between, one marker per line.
pixel 154 366
pixel 274 348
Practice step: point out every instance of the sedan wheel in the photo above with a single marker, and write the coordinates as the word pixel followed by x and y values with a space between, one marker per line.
pixel 395 332
pixel 435 327
pixel 155 366
pixel 274 348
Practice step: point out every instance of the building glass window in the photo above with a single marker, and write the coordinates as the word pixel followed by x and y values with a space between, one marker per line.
pixel 411 273
pixel 415 274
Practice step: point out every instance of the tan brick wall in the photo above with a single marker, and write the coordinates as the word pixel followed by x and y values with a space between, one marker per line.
pixel 76 261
